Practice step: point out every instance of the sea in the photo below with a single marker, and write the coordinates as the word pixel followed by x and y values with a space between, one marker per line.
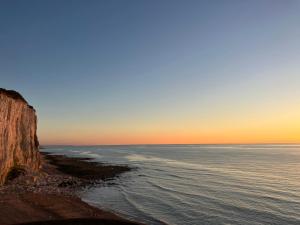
pixel 198 184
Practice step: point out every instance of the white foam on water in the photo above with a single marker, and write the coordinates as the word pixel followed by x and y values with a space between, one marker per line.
pixel 90 154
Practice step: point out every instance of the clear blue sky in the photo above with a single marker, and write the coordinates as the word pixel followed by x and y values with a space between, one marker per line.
pixel 153 71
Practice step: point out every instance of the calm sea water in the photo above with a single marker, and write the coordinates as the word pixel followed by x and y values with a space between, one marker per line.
pixel 199 184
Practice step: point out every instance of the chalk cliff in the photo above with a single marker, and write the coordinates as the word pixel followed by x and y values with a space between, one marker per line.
pixel 18 140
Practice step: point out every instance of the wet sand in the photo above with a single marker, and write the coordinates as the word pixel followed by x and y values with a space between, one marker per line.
pixel 50 197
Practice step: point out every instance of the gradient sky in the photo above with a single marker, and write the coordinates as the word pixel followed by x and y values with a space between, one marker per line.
pixel 132 72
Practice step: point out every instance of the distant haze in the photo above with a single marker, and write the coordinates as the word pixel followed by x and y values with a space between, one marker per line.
pixel 154 72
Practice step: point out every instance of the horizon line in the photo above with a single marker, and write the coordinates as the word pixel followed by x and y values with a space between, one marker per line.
pixel 75 145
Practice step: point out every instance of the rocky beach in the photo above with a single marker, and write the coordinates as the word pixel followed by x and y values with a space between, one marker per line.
pixel 40 188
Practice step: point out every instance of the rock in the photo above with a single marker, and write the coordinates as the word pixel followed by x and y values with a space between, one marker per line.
pixel 18 140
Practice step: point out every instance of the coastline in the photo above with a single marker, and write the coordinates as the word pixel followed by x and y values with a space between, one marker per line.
pixel 50 196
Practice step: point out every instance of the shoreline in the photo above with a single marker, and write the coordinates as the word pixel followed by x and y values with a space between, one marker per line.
pixel 50 196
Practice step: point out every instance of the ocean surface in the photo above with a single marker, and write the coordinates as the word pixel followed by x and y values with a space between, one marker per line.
pixel 199 184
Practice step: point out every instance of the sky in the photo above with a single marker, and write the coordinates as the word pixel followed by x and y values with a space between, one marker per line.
pixel 155 72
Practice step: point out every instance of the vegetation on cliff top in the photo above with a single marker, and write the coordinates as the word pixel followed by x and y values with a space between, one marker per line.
pixel 15 95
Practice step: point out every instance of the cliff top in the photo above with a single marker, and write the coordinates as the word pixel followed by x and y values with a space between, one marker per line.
pixel 14 94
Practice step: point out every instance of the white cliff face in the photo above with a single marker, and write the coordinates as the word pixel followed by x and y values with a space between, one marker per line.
pixel 18 140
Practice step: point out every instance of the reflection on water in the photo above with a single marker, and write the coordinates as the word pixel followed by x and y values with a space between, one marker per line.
pixel 200 184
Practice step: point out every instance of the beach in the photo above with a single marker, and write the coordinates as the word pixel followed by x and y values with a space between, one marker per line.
pixel 50 196
pixel 149 112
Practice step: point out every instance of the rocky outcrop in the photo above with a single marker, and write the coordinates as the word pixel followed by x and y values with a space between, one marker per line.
pixel 18 140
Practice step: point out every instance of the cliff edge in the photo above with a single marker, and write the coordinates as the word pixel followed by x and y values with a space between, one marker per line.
pixel 18 140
